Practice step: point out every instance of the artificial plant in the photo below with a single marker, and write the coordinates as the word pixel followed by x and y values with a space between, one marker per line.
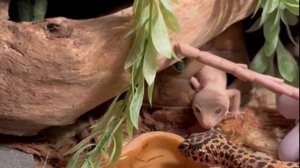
pixel 32 10
pixel 151 21
pixel 274 11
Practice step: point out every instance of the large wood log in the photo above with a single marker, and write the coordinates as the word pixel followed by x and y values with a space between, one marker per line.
pixel 53 71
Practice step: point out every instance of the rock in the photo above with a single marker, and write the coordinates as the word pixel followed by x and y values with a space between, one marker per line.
pixel 10 158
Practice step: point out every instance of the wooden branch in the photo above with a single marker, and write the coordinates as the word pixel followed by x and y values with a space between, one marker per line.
pixel 274 84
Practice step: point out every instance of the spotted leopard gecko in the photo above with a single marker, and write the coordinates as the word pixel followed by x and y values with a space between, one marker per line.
pixel 211 148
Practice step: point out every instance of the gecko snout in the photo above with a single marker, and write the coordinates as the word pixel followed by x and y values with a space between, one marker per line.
pixel 207 126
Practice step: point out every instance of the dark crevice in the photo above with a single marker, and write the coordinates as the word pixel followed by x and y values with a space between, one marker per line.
pixel 76 9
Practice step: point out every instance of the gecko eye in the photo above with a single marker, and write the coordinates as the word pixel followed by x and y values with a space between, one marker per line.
pixel 198 109
pixel 180 66
pixel 218 111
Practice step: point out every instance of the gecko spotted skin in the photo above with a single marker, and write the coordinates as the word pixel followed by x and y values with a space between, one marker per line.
pixel 211 148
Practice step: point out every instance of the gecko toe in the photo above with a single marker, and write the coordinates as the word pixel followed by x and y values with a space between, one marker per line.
pixel 236 114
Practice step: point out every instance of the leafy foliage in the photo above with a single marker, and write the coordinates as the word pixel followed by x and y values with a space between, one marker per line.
pixel 273 12
pixel 151 21
pixel 30 10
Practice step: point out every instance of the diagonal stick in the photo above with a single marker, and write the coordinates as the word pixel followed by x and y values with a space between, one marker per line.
pixel 241 72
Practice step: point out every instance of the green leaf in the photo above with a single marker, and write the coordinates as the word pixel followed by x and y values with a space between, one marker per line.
pixel 159 33
pixel 273 6
pixel 260 62
pixel 131 90
pixel 112 149
pixel 136 104
pixel 137 46
pixel 268 8
pixel 292 7
pixel 118 145
pixel 289 18
pixel 150 64
pixel 292 1
pixel 114 108
pixel 150 93
pixel 88 164
pixel 288 67
pixel 175 1
pixel 40 9
pixel 263 3
pixel 75 158
pixel 129 126
pixel 138 74
pixel 296 82
pixel 101 148
pixel 285 21
pixel 255 26
pixel 140 18
pixel 141 28
pixel 166 4
pixel 271 26
pixel 136 6
pixel 25 10
pixel 82 143
pixel 168 15
pixel 256 8
pixel 271 68
pixel 142 13
pixel 270 47
pixel 290 35
pixel 264 17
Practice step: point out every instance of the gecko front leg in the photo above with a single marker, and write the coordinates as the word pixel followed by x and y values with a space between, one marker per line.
pixel 234 96
pixel 195 83
pixel 198 81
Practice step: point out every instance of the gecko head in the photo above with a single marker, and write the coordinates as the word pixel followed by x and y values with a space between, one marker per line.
pixel 210 107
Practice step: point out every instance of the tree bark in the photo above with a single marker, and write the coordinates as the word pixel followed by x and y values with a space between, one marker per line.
pixel 53 71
